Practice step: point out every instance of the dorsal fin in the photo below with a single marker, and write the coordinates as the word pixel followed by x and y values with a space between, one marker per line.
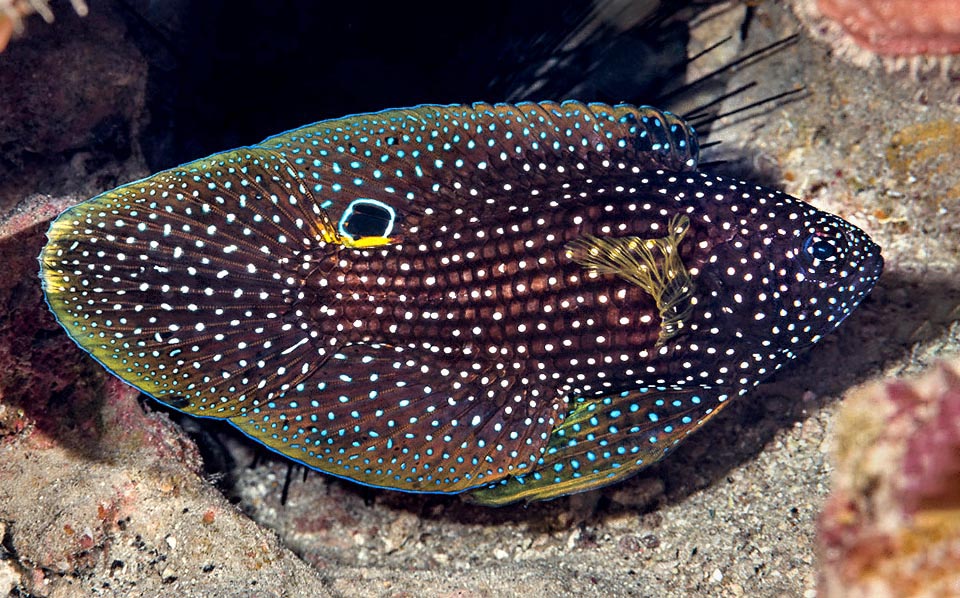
pixel 435 157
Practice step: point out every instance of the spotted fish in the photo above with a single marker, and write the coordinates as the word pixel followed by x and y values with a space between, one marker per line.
pixel 519 301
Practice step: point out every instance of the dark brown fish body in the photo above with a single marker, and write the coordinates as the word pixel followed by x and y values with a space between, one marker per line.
pixel 545 297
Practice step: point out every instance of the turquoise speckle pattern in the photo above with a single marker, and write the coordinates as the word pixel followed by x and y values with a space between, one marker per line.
pixel 519 301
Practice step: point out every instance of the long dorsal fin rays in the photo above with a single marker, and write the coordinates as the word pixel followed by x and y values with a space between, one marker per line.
pixel 654 265
pixel 445 158
pixel 270 175
pixel 254 163
pixel 393 417
pixel 605 440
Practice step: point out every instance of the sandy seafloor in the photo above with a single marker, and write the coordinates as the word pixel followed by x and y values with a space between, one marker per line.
pixel 732 513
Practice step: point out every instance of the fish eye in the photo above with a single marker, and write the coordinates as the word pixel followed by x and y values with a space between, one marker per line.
pixel 367 218
pixel 819 248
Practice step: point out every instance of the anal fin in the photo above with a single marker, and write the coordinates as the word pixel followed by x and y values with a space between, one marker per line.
pixel 604 440
pixel 398 417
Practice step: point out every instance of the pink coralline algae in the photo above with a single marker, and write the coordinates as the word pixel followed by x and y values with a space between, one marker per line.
pixel 891 526
pixel 919 36
pixel 898 27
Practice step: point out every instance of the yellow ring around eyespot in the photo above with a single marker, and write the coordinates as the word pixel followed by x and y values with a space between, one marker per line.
pixel 365 242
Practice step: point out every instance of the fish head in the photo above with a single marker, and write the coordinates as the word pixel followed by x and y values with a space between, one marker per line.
pixel 835 265
pixel 788 275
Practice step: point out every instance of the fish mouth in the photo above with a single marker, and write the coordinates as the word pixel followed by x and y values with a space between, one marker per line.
pixel 868 262
pixel 870 269
pixel 857 286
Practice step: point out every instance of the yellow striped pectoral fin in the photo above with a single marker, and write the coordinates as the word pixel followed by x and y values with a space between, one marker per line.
pixel 654 265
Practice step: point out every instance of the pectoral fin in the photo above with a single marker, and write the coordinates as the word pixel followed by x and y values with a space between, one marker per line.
pixel 652 264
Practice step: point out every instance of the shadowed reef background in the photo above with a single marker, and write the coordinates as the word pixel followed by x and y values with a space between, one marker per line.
pixel 102 494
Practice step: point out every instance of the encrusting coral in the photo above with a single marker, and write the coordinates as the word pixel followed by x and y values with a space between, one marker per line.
pixel 891 526
pixel 13 12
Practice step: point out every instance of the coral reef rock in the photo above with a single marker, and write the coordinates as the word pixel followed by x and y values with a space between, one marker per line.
pixel 891 526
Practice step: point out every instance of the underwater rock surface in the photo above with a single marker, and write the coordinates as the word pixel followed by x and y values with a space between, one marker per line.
pixel 891 525
pixel 86 470
pixel 97 495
